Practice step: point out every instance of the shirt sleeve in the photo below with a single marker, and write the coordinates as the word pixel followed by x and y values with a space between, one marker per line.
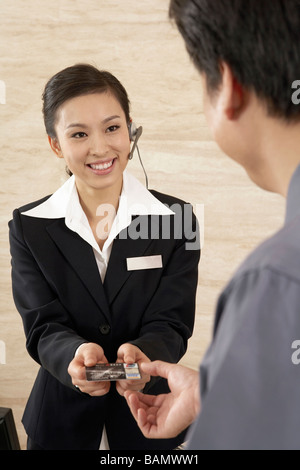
pixel 250 382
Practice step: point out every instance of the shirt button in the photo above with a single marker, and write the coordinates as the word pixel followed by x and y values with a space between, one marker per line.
pixel 104 329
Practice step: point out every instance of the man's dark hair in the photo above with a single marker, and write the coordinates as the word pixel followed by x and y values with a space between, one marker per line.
pixel 258 39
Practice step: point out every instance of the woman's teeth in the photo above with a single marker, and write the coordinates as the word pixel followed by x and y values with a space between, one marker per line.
pixel 102 166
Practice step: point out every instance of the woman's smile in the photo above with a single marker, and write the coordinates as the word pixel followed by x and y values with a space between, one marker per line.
pixel 102 167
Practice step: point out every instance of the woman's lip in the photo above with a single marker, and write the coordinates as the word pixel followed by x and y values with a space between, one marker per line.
pixel 101 162
pixel 99 168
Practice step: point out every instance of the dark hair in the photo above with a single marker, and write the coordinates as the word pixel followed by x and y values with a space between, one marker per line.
pixel 258 39
pixel 78 80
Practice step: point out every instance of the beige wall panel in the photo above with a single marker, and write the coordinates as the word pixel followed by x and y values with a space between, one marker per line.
pixel 136 41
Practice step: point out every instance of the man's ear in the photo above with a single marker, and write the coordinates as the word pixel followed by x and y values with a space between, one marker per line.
pixel 232 94
pixel 54 144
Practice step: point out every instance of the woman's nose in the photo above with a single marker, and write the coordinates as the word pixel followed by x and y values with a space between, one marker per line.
pixel 98 144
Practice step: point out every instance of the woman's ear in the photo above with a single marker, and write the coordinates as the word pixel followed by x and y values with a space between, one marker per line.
pixel 54 144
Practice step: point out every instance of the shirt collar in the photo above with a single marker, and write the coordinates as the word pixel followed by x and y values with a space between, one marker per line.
pixel 135 200
pixel 293 197
pixel 138 200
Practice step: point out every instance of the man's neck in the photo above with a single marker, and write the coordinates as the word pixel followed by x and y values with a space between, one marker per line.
pixel 278 144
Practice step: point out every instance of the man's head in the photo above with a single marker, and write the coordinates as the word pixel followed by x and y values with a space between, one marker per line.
pixel 258 39
pixel 248 55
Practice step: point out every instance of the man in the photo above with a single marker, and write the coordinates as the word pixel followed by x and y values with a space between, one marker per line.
pixel 248 54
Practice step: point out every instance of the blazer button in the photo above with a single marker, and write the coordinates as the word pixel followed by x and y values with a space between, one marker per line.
pixel 104 329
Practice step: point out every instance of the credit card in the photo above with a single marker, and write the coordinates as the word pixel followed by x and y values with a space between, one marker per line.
pixel 112 371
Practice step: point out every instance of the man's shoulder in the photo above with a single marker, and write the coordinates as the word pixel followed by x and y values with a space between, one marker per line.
pixel 280 254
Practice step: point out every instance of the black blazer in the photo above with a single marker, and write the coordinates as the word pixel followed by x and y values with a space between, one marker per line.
pixel 59 294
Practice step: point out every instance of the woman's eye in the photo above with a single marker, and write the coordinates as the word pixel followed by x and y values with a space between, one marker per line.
pixel 79 135
pixel 112 128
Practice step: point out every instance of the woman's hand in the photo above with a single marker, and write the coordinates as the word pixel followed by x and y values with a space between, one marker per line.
pixel 88 355
pixel 128 354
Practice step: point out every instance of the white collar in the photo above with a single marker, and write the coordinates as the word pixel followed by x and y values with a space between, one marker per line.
pixel 135 200
pixel 139 201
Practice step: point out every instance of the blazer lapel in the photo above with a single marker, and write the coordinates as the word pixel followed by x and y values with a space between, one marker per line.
pixel 80 256
pixel 124 247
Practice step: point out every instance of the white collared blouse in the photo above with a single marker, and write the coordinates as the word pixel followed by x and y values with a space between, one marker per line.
pixel 135 200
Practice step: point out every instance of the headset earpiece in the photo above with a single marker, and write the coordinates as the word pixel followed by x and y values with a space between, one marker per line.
pixel 134 135
pixel 132 131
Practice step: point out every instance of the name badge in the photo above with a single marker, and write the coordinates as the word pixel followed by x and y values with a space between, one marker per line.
pixel 144 262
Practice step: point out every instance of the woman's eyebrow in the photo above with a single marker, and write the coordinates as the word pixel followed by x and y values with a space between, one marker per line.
pixel 84 126
pixel 77 124
pixel 110 118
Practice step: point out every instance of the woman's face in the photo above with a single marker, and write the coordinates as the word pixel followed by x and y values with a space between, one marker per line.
pixel 93 138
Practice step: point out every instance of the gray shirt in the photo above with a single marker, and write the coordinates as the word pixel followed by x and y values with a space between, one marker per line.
pixel 250 375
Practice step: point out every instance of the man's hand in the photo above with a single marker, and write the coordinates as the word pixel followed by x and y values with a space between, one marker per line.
pixel 128 354
pixel 165 416
pixel 88 355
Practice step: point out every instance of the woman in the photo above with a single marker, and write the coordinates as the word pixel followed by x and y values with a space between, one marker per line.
pixel 100 271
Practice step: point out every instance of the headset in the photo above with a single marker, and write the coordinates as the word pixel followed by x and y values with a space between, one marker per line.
pixel 134 135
